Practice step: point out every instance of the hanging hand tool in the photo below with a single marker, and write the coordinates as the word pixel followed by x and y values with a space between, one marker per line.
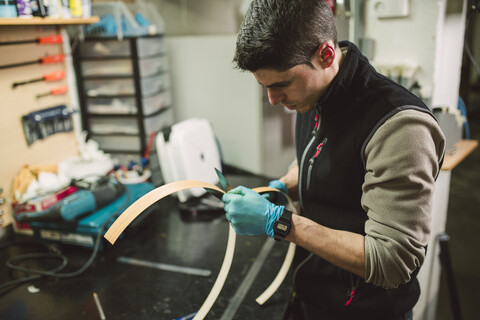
pixel 146 156
pixel 55 39
pixel 54 92
pixel 52 76
pixel 56 58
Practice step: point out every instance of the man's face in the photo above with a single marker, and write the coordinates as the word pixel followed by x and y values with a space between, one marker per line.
pixel 297 88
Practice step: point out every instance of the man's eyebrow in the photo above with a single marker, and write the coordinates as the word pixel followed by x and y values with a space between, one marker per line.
pixel 279 84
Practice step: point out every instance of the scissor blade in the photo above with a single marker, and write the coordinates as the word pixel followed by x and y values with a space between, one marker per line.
pixel 214 193
pixel 223 181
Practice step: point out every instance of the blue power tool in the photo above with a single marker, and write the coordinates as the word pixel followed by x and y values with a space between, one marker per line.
pixel 77 205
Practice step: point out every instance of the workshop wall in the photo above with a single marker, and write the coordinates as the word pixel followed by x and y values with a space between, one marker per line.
pixel 206 17
pixel 429 38
pixel 209 87
pixel 14 151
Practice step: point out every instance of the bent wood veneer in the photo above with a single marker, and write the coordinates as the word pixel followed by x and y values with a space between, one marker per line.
pixel 155 195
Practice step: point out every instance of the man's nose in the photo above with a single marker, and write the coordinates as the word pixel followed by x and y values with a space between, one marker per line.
pixel 275 97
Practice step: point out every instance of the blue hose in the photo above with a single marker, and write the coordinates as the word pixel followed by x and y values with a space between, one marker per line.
pixel 463 110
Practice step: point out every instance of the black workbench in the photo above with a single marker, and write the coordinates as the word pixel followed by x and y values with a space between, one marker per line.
pixel 135 292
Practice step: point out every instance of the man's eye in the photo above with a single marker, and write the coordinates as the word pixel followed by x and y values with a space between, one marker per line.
pixel 283 85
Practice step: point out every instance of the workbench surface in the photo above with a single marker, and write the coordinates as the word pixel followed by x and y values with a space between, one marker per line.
pixel 135 292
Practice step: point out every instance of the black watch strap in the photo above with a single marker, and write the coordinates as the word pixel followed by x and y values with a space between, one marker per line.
pixel 281 227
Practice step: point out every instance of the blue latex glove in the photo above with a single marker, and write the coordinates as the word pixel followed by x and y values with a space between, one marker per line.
pixel 250 213
pixel 276 197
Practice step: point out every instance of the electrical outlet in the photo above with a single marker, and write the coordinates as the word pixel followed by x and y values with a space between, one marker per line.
pixel 391 8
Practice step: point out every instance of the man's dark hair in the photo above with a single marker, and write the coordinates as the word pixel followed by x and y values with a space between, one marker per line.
pixel 280 34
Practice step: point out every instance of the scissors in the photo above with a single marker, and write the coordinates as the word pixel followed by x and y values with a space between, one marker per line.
pixel 223 182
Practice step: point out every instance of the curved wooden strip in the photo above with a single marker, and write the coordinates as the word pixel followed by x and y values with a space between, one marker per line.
pixel 287 262
pixel 222 276
pixel 282 273
pixel 155 195
pixel 147 200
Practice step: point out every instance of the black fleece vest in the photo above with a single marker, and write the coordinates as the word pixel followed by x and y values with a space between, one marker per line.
pixel 358 101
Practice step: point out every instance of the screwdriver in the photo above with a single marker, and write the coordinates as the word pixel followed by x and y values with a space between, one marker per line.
pixel 56 58
pixel 55 39
pixel 54 92
pixel 52 76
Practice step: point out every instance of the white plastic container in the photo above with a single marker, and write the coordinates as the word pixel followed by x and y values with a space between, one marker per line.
pixel 117 67
pixel 146 47
pixel 120 143
pixel 128 105
pixel 129 125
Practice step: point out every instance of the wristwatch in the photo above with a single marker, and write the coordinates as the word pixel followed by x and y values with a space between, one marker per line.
pixel 282 226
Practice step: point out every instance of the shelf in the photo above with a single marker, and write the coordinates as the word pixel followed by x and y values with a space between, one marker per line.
pixel 46 21
pixel 462 149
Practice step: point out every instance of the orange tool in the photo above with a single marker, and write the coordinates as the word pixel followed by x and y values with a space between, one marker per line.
pixel 52 76
pixel 56 58
pixel 55 39
pixel 54 92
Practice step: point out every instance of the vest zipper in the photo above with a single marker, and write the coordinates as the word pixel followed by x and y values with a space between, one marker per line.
pixel 353 289
pixel 312 160
pixel 304 155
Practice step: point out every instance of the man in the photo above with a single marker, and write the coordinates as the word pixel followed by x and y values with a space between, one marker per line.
pixel 368 153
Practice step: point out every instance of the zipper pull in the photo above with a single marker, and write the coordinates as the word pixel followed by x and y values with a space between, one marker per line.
pixel 319 148
pixel 352 294
pixel 317 122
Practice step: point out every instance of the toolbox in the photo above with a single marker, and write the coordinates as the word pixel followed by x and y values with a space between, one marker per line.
pixel 85 231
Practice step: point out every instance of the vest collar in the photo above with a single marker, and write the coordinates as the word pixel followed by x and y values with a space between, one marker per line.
pixel 338 91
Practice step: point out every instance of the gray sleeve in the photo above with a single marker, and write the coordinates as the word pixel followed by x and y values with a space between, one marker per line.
pixel 402 161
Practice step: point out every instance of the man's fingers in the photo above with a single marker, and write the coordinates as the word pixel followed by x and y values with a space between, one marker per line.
pixel 240 190
pixel 227 197
pixel 236 193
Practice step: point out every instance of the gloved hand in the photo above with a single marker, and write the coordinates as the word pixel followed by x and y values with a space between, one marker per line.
pixel 250 213
pixel 276 197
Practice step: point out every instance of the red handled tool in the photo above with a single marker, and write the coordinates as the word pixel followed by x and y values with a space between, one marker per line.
pixel 52 76
pixel 54 92
pixel 56 58
pixel 146 156
pixel 56 39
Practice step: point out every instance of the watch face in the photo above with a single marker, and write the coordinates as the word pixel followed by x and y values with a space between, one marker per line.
pixel 282 227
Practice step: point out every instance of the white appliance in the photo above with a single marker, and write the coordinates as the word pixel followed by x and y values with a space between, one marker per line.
pixel 188 151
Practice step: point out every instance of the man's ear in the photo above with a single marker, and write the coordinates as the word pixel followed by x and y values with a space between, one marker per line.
pixel 327 54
